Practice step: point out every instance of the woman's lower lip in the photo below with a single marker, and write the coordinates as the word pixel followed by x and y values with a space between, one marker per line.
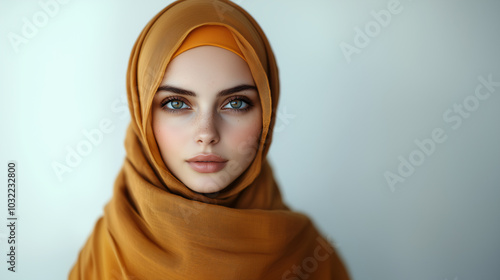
pixel 206 167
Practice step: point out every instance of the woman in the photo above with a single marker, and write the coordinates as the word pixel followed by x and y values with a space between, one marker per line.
pixel 196 197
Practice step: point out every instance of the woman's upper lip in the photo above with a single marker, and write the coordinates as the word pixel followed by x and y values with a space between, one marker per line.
pixel 207 157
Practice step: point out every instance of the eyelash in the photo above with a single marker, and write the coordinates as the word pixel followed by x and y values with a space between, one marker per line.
pixel 169 99
pixel 244 99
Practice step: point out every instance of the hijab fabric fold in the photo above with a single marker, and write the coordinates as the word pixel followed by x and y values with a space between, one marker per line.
pixel 154 227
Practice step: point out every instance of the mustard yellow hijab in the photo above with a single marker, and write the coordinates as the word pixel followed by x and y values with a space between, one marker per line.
pixel 155 227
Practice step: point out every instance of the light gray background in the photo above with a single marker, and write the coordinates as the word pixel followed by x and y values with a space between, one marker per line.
pixel 343 125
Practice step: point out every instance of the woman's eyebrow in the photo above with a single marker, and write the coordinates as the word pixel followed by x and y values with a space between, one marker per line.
pixel 219 94
pixel 175 90
pixel 235 89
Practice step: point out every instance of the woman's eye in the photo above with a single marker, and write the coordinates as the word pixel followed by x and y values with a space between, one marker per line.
pixel 236 104
pixel 176 104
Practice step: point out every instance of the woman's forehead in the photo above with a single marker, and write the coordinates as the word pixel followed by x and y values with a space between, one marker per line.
pixel 207 67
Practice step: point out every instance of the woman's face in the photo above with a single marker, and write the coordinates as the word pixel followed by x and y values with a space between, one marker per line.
pixel 207 118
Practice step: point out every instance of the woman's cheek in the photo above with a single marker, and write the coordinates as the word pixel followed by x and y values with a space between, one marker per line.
pixel 178 135
pixel 171 135
pixel 244 137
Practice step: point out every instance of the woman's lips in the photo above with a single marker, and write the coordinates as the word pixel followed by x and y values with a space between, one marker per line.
pixel 207 163
pixel 207 167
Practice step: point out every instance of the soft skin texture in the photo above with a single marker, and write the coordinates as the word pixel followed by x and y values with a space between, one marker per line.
pixel 207 123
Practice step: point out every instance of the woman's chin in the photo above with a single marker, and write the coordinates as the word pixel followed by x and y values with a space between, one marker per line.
pixel 206 186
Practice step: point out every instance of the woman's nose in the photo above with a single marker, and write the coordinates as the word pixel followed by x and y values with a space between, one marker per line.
pixel 207 132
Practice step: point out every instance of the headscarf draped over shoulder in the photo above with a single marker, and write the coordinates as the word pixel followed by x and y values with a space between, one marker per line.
pixel 154 227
